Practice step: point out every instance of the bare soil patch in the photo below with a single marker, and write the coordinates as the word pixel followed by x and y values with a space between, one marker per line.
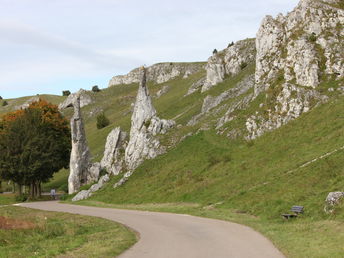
pixel 7 223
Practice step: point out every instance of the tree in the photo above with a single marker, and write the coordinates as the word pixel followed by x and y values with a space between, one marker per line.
pixel 231 44
pixel 102 121
pixel 34 144
pixel 65 93
pixel 95 88
pixel 0 97
pixel 4 103
pixel 215 51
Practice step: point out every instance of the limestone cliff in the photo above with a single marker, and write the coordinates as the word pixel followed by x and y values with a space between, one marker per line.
pixel 158 73
pixel 229 62
pixel 304 46
pixel 295 53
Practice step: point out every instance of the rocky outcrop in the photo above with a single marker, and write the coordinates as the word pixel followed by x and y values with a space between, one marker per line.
pixel 158 73
pixel 229 62
pixel 27 103
pixel 113 158
pixel 162 91
pixel 85 99
pixel 81 170
pixel 196 86
pixel 294 54
pixel 290 103
pixel 84 194
pixel 302 46
pixel 332 200
pixel 145 125
pixel 241 88
pixel 211 102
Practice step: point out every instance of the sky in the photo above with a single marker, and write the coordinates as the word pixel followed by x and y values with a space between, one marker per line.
pixel 47 46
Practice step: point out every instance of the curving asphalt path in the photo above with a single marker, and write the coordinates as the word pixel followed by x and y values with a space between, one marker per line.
pixel 167 235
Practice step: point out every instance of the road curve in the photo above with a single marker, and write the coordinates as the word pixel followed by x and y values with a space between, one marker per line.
pixel 167 235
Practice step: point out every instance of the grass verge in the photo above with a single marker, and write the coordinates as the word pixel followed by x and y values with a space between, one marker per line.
pixel 26 233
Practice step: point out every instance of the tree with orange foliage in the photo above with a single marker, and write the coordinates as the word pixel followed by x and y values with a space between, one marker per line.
pixel 34 144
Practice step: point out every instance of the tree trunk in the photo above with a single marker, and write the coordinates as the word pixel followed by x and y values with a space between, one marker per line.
pixel 39 189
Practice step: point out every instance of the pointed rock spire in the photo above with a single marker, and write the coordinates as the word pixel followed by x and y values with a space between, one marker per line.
pixel 80 155
pixel 144 126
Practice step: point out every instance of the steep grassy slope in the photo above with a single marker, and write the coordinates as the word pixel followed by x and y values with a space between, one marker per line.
pixel 262 177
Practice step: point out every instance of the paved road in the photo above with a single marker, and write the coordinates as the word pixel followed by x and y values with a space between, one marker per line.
pixel 166 235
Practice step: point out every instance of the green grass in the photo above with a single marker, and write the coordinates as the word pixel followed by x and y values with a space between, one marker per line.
pixel 6 199
pixel 62 234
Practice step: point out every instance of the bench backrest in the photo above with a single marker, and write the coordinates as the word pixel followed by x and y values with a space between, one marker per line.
pixel 297 209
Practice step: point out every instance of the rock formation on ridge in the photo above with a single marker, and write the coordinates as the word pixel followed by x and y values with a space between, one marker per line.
pixel 158 73
pixel 85 99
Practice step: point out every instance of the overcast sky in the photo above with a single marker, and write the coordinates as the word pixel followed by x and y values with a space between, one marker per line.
pixel 47 46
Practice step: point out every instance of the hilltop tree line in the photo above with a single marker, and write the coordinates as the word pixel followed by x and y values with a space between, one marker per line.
pixel 34 144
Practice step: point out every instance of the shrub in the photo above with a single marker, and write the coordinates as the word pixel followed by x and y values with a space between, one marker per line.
pixel 231 44
pixel 21 198
pixel 95 88
pixel 243 65
pixel 4 103
pixel 102 121
pixel 312 37
pixel 215 51
pixel 0 97
pixel 65 93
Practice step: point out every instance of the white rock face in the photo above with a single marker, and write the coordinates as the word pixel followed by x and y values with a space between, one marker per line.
pixel 84 194
pixel 81 170
pixel 85 99
pixel 211 102
pixel 158 73
pixel 229 61
pixel 113 159
pixel 241 88
pixel 294 53
pixel 332 200
pixel 144 126
pixel 291 102
pixel 300 45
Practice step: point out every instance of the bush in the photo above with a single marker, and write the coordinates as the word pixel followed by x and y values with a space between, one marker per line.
pixel 64 197
pixel 215 51
pixel 95 88
pixel 243 65
pixel 102 121
pixel 21 198
pixel 4 103
pixel 65 93
pixel 231 44
pixel 0 97
pixel 312 37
